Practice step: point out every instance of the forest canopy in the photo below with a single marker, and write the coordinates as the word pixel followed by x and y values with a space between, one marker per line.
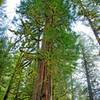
pixel 46 59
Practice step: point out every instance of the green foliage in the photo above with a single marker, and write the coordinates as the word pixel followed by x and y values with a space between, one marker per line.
pixel 36 30
pixel 6 67
pixel 44 33
pixel 1 1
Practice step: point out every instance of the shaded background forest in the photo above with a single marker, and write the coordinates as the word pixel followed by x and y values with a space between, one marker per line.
pixel 44 57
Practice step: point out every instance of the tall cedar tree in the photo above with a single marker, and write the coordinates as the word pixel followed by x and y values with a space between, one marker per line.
pixel 56 41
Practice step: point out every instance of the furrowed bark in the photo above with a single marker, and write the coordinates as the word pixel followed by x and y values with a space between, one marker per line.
pixel 43 88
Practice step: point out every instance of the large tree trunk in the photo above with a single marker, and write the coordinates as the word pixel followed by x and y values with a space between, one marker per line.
pixel 43 88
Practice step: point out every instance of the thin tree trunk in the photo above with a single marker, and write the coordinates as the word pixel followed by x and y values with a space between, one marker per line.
pixel 11 80
pixel 8 89
pixel 85 13
pixel 87 76
pixel 94 30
